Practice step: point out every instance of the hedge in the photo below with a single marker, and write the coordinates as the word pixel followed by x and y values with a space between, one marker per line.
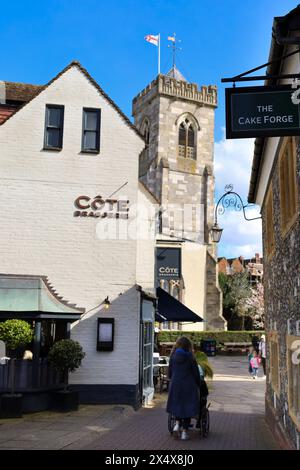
pixel 218 336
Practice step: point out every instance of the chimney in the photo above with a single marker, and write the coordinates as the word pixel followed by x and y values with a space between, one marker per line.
pixel 257 258
pixel 2 93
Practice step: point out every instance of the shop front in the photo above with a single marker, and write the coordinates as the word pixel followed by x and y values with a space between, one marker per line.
pixel 32 299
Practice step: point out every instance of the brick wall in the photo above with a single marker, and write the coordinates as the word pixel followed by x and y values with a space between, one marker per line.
pixel 39 234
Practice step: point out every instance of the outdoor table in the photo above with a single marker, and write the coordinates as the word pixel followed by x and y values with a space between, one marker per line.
pixel 237 345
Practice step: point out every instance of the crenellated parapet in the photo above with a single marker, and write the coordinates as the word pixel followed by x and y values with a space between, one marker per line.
pixel 169 86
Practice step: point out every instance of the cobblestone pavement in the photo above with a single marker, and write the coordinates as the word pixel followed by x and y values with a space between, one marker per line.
pixel 237 421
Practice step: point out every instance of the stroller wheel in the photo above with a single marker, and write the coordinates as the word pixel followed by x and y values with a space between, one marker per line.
pixel 171 423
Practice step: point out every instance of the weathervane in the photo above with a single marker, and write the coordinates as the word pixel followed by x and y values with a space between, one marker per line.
pixel 174 46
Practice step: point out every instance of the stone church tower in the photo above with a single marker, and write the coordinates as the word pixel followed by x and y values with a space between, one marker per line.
pixel 177 120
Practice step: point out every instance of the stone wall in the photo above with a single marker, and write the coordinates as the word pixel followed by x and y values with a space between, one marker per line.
pixel 184 187
pixel 282 293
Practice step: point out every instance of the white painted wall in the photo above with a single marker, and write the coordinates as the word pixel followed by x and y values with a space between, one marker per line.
pixel 39 234
pixel 145 256
pixel 194 272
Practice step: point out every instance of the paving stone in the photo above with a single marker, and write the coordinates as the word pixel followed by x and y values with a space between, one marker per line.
pixel 237 421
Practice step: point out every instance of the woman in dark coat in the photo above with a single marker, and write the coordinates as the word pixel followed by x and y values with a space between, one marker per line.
pixel 183 399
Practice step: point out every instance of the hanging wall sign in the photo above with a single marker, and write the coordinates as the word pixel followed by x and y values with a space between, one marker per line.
pixel 261 112
pixel 168 262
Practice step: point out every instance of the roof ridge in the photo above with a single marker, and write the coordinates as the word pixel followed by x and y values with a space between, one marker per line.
pixel 76 63
pixel 22 83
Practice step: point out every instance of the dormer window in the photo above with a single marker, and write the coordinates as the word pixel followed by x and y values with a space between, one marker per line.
pixel 187 140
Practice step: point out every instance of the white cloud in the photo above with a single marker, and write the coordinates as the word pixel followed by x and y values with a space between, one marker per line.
pixel 233 161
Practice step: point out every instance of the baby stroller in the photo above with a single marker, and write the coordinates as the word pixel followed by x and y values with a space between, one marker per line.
pixel 202 420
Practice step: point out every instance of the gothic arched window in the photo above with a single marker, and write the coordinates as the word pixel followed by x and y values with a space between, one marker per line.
pixel 187 140
pixel 145 131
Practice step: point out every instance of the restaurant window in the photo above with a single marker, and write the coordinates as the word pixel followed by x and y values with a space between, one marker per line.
pixel 269 224
pixel 274 362
pixel 54 121
pixel 187 140
pixel 147 354
pixel 176 289
pixel 91 130
pixel 293 367
pixel 288 184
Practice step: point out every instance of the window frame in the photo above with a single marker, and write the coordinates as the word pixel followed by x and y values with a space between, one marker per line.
pixel 61 128
pixel 186 146
pixel 97 149
pixel 287 180
pixel 269 224
pixel 275 384
pixel 145 131
pixel 148 343
pixel 294 414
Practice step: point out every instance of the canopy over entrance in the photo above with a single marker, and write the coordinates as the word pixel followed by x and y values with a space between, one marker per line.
pixel 170 309
pixel 33 297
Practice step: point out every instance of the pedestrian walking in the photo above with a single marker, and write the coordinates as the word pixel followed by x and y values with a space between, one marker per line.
pixel 183 399
pixel 262 352
pixel 255 361
pixel 250 355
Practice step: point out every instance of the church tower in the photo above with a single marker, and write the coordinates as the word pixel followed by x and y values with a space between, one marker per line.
pixel 177 121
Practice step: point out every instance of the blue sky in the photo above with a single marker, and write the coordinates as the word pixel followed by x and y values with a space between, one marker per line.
pixel 218 38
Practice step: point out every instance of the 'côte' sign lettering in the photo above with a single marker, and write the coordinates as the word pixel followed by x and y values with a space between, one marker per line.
pixel 261 112
pixel 100 207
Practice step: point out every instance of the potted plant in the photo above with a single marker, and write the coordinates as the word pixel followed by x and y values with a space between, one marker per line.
pixel 66 356
pixel 15 334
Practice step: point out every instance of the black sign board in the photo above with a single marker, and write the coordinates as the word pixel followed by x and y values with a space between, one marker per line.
pixel 168 263
pixel 261 112
pixel 105 334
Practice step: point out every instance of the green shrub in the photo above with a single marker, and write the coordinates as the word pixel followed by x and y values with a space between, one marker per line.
pixel 66 356
pixel 15 333
pixel 219 336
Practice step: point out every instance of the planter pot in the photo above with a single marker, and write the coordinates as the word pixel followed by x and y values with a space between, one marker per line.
pixel 11 405
pixel 65 400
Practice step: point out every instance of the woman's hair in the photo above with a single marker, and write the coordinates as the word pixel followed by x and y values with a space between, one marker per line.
pixel 183 343
pixel 27 354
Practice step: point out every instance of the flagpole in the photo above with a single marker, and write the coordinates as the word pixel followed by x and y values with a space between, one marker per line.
pixel 158 53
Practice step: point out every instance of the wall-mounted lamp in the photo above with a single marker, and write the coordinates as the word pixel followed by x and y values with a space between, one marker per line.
pixel 107 303
pixel 229 200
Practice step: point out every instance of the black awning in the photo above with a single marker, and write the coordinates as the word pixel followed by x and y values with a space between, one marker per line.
pixel 170 309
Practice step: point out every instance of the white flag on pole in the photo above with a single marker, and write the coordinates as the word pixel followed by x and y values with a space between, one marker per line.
pixel 153 39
